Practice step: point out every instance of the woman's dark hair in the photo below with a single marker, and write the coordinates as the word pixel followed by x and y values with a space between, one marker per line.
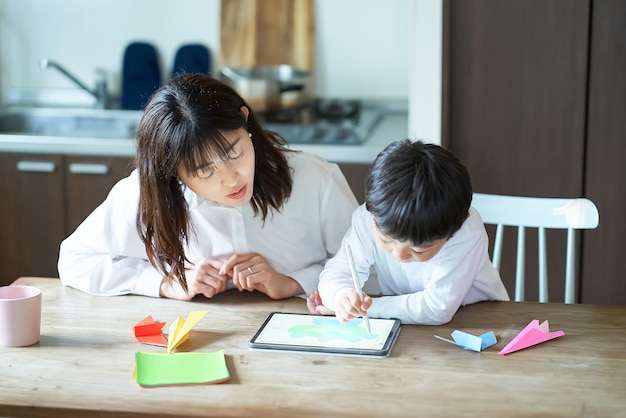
pixel 183 124
pixel 418 192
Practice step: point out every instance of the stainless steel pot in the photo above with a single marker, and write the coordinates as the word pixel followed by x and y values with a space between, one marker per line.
pixel 270 88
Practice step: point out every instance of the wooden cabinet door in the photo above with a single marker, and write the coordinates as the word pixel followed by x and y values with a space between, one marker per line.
pixel 515 80
pixel 355 175
pixel 31 215
pixel 88 181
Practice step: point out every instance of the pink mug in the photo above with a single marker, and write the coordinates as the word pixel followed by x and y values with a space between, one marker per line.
pixel 20 315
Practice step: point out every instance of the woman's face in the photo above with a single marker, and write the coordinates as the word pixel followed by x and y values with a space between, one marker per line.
pixel 228 180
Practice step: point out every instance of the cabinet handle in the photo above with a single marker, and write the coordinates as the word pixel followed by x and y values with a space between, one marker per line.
pixel 36 166
pixel 81 168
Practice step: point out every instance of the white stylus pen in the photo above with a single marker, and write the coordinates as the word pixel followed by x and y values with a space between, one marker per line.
pixel 355 281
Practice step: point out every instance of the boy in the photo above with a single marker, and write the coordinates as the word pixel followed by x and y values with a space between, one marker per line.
pixel 428 247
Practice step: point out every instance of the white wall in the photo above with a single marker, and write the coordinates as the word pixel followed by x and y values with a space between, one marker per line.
pixel 363 48
pixel 362 45
pixel 425 80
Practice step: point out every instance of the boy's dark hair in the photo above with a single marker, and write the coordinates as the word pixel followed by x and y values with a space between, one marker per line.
pixel 418 192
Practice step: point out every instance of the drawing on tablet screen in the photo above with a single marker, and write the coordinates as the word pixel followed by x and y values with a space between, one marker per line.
pixel 303 330
pixel 330 329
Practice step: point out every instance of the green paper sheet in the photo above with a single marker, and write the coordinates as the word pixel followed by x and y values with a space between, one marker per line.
pixel 159 369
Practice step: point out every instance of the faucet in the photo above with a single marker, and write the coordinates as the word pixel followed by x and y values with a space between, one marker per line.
pixel 99 92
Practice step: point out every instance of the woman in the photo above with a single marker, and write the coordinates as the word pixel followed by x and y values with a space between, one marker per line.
pixel 216 202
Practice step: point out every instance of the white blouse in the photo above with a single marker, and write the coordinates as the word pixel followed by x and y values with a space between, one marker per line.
pixel 105 255
pixel 427 292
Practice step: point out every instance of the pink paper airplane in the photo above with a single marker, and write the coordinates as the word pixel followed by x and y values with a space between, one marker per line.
pixel 533 334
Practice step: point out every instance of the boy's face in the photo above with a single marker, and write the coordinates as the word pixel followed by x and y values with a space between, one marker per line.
pixel 405 251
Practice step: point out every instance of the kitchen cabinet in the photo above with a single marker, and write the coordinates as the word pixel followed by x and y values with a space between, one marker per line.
pixel 44 198
pixel 533 103
pixel 89 180
pixel 31 215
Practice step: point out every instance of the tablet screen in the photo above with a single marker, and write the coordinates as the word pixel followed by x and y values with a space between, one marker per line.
pixel 325 334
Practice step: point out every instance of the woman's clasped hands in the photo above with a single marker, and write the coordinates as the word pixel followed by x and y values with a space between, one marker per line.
pixel 249 271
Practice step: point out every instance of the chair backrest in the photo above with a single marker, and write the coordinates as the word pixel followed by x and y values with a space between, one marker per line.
pixel 541 213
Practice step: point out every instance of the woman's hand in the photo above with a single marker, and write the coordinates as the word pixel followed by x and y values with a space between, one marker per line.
pixel 349 305
pixel 252 272
pixel 315 305
pixel 204 279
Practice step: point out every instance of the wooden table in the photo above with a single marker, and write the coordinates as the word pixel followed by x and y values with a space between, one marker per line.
pixel 84 362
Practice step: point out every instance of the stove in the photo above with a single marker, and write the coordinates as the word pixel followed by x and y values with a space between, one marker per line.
pixel 324 122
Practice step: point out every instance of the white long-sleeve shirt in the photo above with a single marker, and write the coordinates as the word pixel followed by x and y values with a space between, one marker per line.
pixel 105 255
pixel 427 292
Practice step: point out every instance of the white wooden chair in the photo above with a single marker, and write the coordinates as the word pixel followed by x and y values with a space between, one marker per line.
pixel 541 213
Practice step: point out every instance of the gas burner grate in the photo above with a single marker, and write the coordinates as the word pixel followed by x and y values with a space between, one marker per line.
pixel 325 122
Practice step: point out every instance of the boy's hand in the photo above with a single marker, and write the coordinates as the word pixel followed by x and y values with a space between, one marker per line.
pixel 350 306
pixel 315 305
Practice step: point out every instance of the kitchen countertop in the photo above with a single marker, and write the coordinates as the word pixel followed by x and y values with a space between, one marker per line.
pixel 393 126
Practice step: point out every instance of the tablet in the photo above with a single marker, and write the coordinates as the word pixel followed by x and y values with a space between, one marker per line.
pixel 326 335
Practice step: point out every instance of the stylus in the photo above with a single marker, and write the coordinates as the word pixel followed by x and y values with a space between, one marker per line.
pixel 355 281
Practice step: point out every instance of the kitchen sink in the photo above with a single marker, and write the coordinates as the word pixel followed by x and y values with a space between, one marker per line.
pixel 70 122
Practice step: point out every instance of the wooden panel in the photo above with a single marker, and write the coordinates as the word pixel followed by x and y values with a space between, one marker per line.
pixel 268 32
pixel 516 75
pixel 604 270
pixel 517 94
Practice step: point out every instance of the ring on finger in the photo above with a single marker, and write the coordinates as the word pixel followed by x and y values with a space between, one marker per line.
pixel 250 270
